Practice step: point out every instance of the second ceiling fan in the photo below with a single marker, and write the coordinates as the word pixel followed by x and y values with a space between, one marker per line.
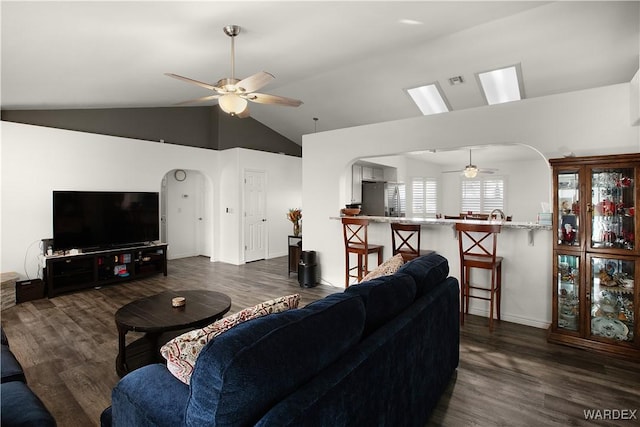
pixel 471 170
pixel 232 94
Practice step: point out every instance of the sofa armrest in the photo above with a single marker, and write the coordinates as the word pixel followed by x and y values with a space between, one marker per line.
pixel 149 396
pixel 21 407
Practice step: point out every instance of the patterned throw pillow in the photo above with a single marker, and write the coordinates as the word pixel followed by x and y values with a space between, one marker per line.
pixel 387 268
pixel 182 351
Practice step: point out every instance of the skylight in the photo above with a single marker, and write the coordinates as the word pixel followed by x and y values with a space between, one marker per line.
pixel 501 85
pixel 429 99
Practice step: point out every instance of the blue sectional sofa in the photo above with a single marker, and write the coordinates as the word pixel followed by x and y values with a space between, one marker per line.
pixel 380 353
pixel 19 405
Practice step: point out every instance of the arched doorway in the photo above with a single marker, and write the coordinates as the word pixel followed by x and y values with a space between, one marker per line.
pixel 184 213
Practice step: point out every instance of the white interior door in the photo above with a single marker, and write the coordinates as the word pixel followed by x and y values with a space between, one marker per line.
pixel 255 217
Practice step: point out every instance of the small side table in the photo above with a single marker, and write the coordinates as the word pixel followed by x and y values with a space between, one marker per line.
pixel 295 248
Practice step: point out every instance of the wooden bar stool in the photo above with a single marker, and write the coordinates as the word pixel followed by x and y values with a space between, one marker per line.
pixel 356 242
pixel 478 245
pixel 405 240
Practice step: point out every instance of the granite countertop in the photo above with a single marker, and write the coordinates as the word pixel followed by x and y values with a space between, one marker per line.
pixel 440 221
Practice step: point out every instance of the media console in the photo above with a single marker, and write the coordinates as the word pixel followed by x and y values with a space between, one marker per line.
pixel 67 273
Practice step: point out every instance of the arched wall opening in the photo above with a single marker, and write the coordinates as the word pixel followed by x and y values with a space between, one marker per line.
pixel 525 170
pixel 186 211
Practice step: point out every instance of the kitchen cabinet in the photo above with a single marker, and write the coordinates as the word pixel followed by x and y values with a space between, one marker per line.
pixel 356 184
pixel 372 173
pixel 596 258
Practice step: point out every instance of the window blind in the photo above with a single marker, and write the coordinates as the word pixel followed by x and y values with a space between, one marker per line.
pixel 424 196
pixel 482 195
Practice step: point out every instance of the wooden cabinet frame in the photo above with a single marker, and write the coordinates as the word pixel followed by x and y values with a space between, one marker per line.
pixel 582 253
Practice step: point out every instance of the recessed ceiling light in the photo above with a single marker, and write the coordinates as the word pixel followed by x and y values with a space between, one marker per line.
pixel 429 99
pixel 501 85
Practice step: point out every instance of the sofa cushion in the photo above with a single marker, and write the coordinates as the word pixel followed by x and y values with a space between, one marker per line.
pixel 248 369
pixel 387 268
pixel 182 351
pixel 148 397
pixel 384 298
pixel 10 367
pixel 21 407
pixel 427 271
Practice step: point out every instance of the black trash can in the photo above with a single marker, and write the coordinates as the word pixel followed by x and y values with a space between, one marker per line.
pixel 307 269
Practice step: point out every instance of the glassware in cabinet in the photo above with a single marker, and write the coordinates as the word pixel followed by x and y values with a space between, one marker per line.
pixel 568 207
pixel 568 291
pixel 612 208
pixel 612 291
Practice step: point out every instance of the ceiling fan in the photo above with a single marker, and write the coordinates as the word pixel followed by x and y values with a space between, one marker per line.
pixel 471 170
pixel 232 94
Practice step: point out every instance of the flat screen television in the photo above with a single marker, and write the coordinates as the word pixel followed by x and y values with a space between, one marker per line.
pixel 104 219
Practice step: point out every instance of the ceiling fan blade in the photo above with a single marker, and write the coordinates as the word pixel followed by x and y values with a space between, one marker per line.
pixel 483 171
pixel 188 80
pixel 202 99
pixel 263 98
pixel 255 82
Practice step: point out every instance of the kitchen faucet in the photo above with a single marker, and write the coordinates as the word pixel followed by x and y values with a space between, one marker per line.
pixel 502 215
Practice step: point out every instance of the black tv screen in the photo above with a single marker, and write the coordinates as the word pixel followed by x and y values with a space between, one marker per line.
pixel 104 219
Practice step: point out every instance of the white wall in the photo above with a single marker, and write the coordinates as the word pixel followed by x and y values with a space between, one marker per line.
pixel 188 222
pixel 284 191
pixel 283 175
pixel 37 160
pixel 594 121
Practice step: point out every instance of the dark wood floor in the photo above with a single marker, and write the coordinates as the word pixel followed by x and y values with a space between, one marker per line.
pixel 513 377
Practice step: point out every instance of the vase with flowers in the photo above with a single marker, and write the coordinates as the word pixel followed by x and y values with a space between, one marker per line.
pixel 295 215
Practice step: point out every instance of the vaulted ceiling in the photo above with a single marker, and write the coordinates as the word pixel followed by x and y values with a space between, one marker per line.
pixel 348 61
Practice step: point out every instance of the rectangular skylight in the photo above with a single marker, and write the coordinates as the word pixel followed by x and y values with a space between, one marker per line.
pixel 501 85
pixel 429 99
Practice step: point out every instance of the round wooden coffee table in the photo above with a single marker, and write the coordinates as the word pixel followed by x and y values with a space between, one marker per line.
pixel 156 316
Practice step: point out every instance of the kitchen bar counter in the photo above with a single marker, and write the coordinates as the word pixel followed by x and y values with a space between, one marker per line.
pixel 440 221
pixel 525 276
pixel 530 226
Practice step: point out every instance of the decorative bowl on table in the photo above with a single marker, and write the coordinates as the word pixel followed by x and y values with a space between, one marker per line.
pixel 350 211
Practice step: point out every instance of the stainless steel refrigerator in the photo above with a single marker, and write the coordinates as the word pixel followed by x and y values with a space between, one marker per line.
pixel 382 199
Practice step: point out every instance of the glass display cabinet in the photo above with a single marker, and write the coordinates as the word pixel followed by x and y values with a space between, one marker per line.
pixel 596 261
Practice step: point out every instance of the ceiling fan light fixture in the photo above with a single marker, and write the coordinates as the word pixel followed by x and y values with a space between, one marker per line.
pixel 232 103
pixel 232 93
pixel 470 171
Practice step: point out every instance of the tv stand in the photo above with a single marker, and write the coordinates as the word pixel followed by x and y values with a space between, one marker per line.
pixel 68 273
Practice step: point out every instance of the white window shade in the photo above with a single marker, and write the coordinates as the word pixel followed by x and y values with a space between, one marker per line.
pixel 417 196
pixel 492 194
pixel 424 193
pixel 482 195
pixel 471 196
